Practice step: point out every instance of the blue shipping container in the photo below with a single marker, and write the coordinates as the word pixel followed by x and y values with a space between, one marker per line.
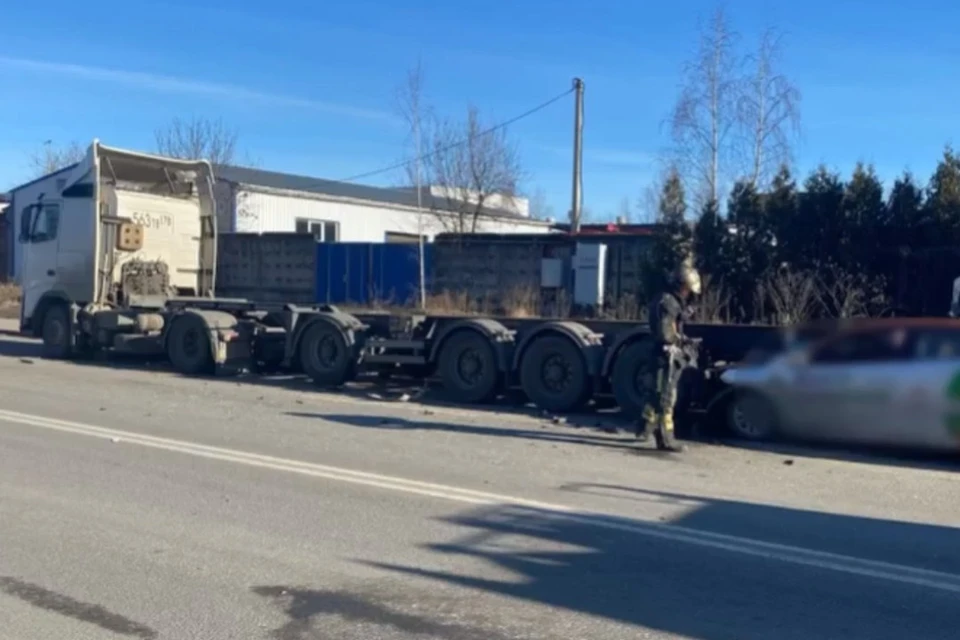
pixel 363 273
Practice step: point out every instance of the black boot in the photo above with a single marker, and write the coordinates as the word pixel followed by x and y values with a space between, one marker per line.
pixel 666 442
pixel 642 432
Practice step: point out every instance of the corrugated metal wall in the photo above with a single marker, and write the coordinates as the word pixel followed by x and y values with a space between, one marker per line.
pixel 365 273
pixel 273 267
pixel 291 267
pixel 6 244
pixel 483 265
pixel 626 255
pixel 487 268
pixel 490 266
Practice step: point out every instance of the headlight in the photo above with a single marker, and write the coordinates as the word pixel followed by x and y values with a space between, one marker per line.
pixel 729 376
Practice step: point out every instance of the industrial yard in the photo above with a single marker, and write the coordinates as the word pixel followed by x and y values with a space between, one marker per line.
pixel 509 321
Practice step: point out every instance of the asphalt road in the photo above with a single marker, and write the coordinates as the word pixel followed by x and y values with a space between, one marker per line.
pixel 138 504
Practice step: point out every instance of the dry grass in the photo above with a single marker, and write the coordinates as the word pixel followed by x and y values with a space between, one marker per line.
pixel 515 303
pixel 9 301
pixel 626 307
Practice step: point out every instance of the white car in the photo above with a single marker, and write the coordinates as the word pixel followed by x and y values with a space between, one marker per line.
pixel 890 382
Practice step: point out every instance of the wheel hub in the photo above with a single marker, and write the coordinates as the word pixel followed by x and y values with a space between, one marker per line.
pixel 191 343
pixel 555 373
pixel 748 418
pixel 56 331
pixel 469 367
pixel 327 352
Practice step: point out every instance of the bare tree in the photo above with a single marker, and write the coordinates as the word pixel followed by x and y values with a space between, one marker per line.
pixel 706 113
pixel 198 138
pixel 418 117
pixel 847 294
pixel 475 169
pixel 50 158
pixel 540 209
pixel 624 212
pixel 714 305
pixel 792 294
pixel 769 111
pixel 471 169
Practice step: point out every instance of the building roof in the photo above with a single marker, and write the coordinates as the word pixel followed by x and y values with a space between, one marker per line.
pixel 306 184
pixel 69 167
pixel 610 228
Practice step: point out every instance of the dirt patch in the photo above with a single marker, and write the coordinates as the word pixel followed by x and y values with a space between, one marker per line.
pixel 9 301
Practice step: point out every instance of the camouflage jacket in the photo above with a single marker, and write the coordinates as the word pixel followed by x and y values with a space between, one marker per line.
pixel 666 314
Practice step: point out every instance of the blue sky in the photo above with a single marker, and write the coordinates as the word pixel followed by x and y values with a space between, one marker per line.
pixel 310 85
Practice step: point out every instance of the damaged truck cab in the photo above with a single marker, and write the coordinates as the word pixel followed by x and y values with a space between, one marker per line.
pixel 102 253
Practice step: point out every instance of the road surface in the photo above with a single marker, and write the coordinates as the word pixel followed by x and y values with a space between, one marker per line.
pixel 138 504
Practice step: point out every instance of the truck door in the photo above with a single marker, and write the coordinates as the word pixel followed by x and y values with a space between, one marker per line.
pixel 39 235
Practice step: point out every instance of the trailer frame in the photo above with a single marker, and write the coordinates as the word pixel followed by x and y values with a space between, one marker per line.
pixel 559 364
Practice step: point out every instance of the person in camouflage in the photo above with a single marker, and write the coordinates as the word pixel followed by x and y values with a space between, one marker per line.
pixel 666 314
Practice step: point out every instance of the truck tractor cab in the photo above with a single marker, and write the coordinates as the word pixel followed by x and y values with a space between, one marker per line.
pixel 115 236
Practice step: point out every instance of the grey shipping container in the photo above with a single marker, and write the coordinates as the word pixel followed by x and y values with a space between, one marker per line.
pixel 270 267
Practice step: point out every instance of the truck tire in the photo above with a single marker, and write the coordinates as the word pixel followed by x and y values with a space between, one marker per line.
pixel 553 374
pixel 325 356
pixel 188 346
pixel 468 368
pixel 55 331
pixel 625 380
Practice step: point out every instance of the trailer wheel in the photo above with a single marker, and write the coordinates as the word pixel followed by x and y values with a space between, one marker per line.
pixel 627 382
pixel 325 356
pixel 57 341
pixel 554 375
pixel 188 346
pixel 468 368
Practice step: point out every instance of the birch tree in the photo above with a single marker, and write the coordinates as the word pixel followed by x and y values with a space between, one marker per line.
pixel 769 111
pixel 705 117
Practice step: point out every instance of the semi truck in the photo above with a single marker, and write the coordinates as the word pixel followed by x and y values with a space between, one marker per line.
pixel 121 257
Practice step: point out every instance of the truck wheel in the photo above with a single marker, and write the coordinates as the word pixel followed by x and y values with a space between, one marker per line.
pixel 325 356
pixel 188 346
pixel 57 341
pixel 554 375
pixel 751 416
pixel 468 368
pixel 627 380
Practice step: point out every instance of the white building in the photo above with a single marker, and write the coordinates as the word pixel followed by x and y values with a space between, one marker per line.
pixel 251 200
pixel 255 201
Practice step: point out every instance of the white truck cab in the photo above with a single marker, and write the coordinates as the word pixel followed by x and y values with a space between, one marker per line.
pixel 121 230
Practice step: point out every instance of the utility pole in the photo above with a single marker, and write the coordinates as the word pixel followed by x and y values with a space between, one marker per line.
pixel 577 157
pixel 423 275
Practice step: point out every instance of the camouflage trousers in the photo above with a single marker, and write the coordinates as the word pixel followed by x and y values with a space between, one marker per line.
pixel 660 385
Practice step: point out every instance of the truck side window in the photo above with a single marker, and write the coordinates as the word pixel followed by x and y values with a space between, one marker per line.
pixel 26 221
pixel 46 223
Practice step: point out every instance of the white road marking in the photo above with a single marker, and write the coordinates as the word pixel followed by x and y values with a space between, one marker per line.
pixel 902 574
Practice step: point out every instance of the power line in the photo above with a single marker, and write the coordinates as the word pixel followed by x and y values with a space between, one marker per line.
pixel 460 143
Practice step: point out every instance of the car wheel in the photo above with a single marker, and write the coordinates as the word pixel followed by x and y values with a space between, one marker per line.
pixel 751 416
